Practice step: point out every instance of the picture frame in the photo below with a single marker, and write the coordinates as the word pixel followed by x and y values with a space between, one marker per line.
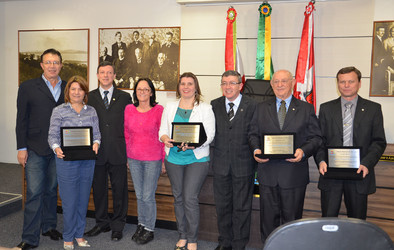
pixel 382 62
pixel 73 44
pixel 142 52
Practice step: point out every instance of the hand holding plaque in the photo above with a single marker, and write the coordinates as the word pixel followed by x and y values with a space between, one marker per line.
pixel 190 133
pixel 277 146
pixel 343 163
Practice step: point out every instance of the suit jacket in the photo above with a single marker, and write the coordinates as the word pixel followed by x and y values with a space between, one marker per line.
pixel 368 133
pixel 300 119
pixel 231 152
pixel 115 49
pixel 113 146
pixel 35 103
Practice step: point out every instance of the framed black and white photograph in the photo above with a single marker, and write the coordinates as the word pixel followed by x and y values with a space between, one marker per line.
pixel 142 53
pixel 73 44
pixel 382 63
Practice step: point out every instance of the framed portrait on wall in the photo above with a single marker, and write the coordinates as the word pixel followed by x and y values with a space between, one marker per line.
pixel 142 53
pixel 382 63
pixel 73 44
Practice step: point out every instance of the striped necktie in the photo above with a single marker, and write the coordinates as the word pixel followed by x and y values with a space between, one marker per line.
pixel 231 112
pixel 347 125
pixel 282 113
pixel 106 104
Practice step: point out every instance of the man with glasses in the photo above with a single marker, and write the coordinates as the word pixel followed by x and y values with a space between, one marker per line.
pixel 36 99
pixel 282 182
pixel 233 164
pixel 110 104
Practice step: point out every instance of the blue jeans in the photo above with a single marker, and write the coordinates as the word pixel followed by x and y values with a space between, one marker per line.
pixel 145 175
pixel 75 181
pixel 41 197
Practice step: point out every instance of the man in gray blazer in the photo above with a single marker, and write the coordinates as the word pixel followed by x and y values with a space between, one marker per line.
pixel 366 131
pixel 282 182
pixel 233 163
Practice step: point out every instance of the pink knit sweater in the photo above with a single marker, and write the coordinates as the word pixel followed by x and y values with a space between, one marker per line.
pixel 141 131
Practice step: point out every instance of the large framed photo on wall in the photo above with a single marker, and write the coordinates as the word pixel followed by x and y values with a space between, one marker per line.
pixel 73 44
pixel 140 53
pixel 382 63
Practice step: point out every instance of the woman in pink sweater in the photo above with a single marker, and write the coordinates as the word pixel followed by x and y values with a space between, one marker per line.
pixel 145 154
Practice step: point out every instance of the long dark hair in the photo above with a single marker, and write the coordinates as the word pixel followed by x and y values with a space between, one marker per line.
pixel 152 99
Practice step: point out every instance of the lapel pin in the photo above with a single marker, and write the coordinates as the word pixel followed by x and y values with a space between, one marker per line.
pixel 293 109
pixel 362 110
pixel 242 110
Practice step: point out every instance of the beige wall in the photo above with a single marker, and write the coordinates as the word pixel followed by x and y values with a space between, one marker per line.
pixel 343 36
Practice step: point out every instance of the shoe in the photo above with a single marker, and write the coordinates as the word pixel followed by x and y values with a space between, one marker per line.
pixel 25 246
pixel 96 230
pixel 145 237
pixel 116 235
pixel 83 243
pixel 220 247
pixel 180 248
pixel 68 247
pixel 54 234
pixel 138 232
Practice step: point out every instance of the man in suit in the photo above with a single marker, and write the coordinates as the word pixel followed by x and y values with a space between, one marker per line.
pixel 110 103
pixel 365 130
pixel 233 164
pixel 104 55
pixel 171 50
pixel 117 45
pixel 36 99
pixel 282 182
pixel 135 44
pixel 379 86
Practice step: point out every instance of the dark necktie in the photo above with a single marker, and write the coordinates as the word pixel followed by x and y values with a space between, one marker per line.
pixel 106 104
pixel 347 125
pixel 231 112
pixel 282 113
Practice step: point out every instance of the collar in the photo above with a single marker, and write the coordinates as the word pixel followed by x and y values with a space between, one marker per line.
pixel 236 102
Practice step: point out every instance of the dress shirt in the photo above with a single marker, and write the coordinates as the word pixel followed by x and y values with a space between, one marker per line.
pixel 109 95
pixel 55 91
pixel 236 102
pixel 65 116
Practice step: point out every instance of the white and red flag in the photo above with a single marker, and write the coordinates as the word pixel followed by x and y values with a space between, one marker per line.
pixel 232 58
pixel 305 72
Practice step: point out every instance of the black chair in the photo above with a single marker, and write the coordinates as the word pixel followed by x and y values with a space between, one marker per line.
pixel 260 90
pixel 328 233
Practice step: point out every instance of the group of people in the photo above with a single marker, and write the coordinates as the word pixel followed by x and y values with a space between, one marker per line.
pixel 139 136
pixel 158 61
pixel 383 63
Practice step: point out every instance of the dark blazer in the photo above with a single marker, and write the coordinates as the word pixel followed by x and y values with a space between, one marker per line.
pixel 368 133
pixel 232 154
pixel 35 103
pixel 113 146
pixel 300 119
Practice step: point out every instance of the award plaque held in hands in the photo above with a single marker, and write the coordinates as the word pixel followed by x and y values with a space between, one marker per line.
pixel 191 133
pixel 277 146
pixel 77 143
pixel 343 163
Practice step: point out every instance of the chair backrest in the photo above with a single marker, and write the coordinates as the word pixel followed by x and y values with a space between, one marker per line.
pixel 328 233
pixel 260 90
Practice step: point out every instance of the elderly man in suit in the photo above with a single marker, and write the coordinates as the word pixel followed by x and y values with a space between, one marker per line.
pixel 365 130
pixel 36 99
pixel 110 103
pixel 282 182
pixel 233 164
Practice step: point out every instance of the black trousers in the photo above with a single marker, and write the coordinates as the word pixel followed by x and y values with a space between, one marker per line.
pixel 279 206
pixel 118 177
pixel 331 199
pixel 233 200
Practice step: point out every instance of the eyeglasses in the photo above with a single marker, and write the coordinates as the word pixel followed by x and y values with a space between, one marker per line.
pixel 143 90
pixel 281 81
pixel 229 83
pixel 52 63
